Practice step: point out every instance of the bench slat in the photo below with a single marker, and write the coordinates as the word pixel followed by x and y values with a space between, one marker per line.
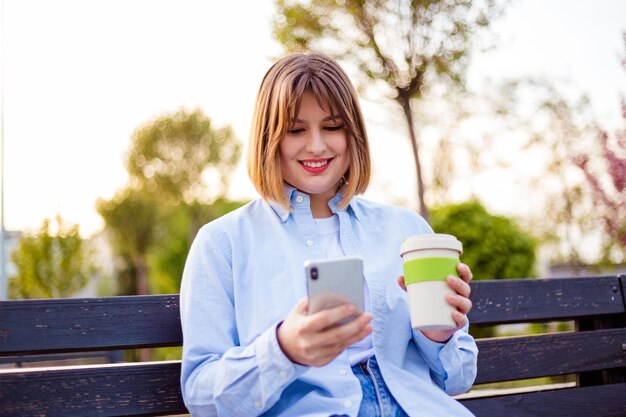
pixel 526 300
pixel 523 357
pixel 113 390
pixel 62 325
pixel 66 325
pixel 597 401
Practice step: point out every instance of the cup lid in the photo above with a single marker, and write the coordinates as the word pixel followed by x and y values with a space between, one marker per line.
pixel 431 241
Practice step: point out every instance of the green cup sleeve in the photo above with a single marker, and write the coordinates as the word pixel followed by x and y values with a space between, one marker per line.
pixel 429 269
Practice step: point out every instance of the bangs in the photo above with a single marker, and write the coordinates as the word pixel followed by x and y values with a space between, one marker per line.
pixel 324 94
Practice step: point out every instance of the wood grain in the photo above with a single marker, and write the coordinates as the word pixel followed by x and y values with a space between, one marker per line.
pixel 598 401
pixel 113 390
pixel 66 325
pixel 531 300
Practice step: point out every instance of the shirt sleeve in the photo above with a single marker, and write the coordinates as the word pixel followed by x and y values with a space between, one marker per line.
pixel 218 376
pixel 452 364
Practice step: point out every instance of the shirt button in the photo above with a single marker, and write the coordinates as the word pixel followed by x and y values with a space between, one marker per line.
pixel 347 403
pixel 257 404
pixel 309 242
pixel 299 199
pixel 283 374
pixel 343 372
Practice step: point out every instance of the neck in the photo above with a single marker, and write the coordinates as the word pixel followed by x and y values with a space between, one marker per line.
pixel 319 207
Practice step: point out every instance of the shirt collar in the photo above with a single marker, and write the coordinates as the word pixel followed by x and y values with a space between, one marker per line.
pixel 291 192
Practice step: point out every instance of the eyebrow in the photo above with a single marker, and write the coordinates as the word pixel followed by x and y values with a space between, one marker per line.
pixel 325 119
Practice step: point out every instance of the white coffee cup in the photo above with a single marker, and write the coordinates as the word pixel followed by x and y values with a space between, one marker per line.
pixel 427 261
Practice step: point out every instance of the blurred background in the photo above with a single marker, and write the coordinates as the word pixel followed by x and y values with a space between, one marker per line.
pixel 124 129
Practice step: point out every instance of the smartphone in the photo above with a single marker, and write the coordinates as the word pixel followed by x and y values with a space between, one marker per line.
pixel 335 281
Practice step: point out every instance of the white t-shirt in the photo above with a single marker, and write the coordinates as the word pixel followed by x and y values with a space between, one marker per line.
pixel 328 232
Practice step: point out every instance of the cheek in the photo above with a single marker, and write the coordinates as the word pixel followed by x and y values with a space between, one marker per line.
pixel 287 150
pixel 340 145
pixel 343 149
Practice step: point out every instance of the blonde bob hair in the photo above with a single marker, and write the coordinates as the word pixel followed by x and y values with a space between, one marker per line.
pixel 276 108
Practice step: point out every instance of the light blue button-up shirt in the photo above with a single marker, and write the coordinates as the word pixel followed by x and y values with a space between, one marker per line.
pixel 244 274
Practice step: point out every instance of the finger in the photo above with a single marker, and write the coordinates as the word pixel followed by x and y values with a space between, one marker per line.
pixel 459 318
pixel 348 331
pixel 458 285
pixel 465 272
pixel 303 306
pixel 340 346
pixel 365 331
pixel 326 318
pixel 340 340
pixel 462 304
pixel 401 282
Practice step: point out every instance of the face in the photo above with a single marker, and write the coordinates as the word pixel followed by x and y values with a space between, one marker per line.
pixel 314 154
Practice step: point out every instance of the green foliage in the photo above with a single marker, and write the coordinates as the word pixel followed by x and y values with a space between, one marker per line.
pixel 167 259
pixel 176 153
pixel 52 263
pixel 493 246
pixel 131 218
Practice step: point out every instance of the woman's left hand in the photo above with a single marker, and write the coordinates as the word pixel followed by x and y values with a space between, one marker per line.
pixel 460 301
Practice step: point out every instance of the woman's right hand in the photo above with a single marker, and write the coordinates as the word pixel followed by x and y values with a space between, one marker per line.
pixel 317 339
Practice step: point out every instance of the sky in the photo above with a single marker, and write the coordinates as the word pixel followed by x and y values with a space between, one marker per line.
pixel 80 76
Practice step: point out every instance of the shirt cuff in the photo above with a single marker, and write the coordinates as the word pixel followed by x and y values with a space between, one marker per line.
pixel 276 369
pixel 430 351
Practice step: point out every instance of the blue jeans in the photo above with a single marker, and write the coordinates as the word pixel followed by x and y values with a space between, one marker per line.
pixel 377 400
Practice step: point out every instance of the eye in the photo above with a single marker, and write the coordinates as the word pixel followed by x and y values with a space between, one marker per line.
pixel 334 128
pixel 295 131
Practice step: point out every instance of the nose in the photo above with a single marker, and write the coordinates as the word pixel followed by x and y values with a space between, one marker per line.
pixel 316 144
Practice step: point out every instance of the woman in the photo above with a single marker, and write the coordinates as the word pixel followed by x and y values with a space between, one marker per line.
pixel 250 348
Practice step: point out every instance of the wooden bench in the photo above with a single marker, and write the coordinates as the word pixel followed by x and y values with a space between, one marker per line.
pixel 595 352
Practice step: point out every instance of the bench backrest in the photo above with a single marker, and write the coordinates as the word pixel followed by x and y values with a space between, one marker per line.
pixel 596 352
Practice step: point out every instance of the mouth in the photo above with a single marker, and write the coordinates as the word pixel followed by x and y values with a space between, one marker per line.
pixel 316 165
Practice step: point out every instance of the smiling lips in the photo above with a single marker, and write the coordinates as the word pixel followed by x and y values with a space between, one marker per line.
pixel 316 166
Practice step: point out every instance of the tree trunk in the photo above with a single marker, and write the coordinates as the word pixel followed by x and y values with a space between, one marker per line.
pixel 142 289
pixel 405 102
pixel 194 225
pixel 142 274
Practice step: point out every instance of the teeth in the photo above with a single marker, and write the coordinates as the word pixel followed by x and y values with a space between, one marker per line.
pixel 314 164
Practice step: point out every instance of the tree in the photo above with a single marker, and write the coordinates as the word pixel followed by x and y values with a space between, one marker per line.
pixel 176 153
pixel 608 178
pixel 494 247
pixel 557 126
pixel 170 161
pixel 132 219
pixel 609 185
pixel 409 45
pixel 52 263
